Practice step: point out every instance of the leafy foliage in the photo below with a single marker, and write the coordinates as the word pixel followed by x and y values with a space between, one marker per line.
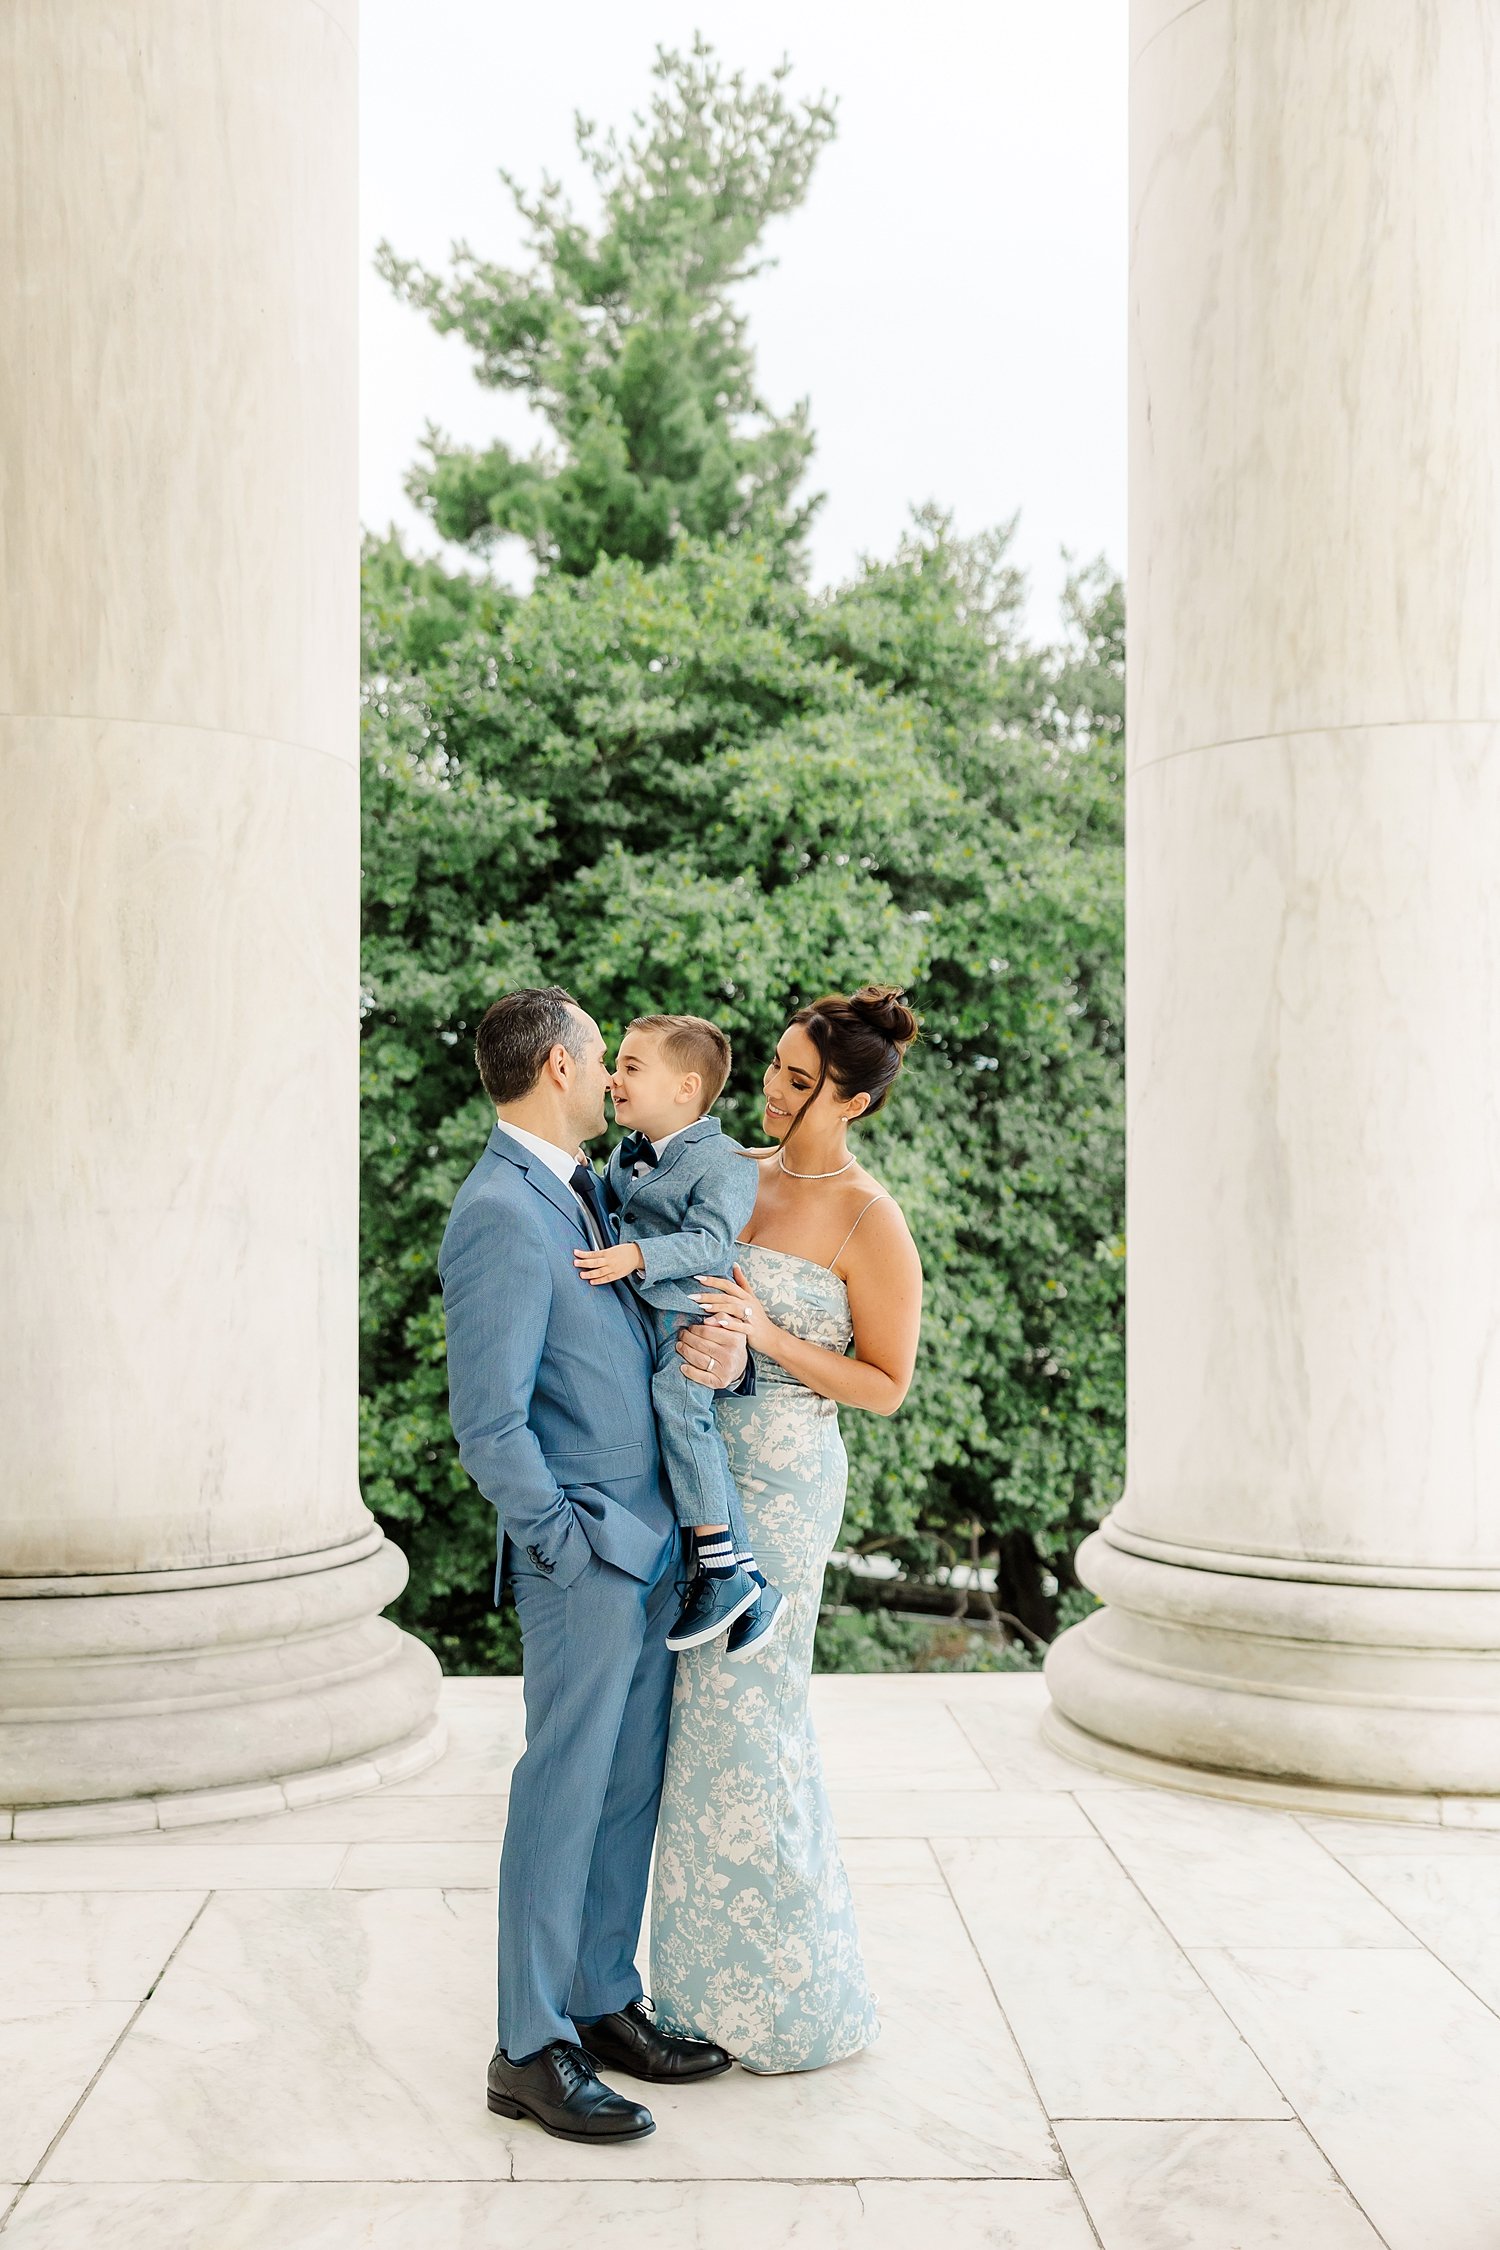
pixel 627 338
pixel 672 777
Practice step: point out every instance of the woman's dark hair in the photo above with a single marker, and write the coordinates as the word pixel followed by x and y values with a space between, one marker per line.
pixel 861 1038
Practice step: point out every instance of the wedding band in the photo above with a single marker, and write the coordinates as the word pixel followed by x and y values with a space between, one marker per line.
pixel 713 1367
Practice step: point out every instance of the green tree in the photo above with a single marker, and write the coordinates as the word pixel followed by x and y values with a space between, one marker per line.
pixel 627 340
pixel 680 779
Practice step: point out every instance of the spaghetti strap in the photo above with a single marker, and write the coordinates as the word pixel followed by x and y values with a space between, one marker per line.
pixel 843 1246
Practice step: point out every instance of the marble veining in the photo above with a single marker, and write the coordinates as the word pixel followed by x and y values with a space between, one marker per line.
pixel 1063 2067
pixel 1112 2018
pixel 1392 2066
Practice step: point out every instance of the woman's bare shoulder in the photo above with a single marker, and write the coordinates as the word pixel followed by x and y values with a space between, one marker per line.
pixel 879 1231
pixel 862 1185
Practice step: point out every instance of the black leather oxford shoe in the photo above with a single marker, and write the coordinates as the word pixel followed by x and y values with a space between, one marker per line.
pixel 629 2041
pixel 559 2090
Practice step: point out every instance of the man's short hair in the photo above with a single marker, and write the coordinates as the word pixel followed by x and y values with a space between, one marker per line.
pixel 516 1036
pixel 693 1043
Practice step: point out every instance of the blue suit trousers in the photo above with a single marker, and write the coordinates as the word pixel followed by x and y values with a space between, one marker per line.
pixel 584 1797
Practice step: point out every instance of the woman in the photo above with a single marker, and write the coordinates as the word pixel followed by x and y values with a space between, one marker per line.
pixel 753 1938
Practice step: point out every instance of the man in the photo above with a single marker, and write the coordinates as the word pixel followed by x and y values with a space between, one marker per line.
pixel 550 1396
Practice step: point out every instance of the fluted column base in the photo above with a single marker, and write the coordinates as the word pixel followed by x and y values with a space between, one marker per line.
pixel 1357 1696
pixel 147 1699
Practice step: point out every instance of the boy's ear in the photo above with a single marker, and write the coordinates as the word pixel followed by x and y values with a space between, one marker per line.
pixel 691 1088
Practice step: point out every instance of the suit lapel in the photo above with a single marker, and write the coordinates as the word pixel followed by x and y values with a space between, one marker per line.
pixel 542 1178
pixel 561 1197
pixel 704 1127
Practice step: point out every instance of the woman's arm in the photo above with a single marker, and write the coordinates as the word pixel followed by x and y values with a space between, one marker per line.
pixel 884 1281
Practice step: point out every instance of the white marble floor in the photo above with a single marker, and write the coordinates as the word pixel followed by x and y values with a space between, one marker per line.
pixel 1112 2016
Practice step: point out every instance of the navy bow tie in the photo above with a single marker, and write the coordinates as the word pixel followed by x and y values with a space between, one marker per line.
pixel 636 1149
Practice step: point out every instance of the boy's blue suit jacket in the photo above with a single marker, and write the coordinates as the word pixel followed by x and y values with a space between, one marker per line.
pixel 686 1213
pixel 549 1379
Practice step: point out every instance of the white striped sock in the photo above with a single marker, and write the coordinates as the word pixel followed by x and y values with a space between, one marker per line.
pixel 715 1553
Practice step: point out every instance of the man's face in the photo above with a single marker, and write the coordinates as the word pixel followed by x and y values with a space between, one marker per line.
pixel 588 1080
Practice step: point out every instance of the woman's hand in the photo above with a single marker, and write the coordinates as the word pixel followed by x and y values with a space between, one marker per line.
pixel 737 1306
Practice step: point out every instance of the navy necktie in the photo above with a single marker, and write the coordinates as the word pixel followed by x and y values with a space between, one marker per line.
pixel 585 1185
pixel 636 1149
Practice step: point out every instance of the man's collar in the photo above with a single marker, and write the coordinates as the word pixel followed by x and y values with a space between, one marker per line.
pixel 557 1160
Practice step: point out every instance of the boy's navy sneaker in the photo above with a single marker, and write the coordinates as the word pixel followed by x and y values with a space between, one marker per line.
pixel 714 1601
pixel 757 1624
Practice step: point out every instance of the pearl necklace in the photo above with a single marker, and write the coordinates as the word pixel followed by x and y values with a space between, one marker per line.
pixel 791 1175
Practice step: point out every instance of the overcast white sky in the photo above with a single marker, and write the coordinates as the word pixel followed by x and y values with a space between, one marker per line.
pixel 951 297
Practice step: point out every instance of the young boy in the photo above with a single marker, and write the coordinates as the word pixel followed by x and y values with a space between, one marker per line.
pixel 681 1192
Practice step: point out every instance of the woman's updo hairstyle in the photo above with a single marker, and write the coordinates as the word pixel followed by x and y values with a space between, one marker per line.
pixel 861 1038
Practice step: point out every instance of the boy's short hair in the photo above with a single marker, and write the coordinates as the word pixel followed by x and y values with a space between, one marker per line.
pixel 693 1043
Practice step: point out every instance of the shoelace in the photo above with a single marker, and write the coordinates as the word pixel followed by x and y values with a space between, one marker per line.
pixel 573 2066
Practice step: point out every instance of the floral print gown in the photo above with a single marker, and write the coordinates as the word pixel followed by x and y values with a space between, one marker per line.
pixel 753 1937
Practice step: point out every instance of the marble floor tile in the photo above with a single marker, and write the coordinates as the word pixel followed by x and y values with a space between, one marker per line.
pixel 438 2216
pixel 890 1859
pixel 1394 2069
pixel 66 1949
pixel 956 1812
pixel 380 1818
pixel 1011 1690
pixel 1452 1905
pixel 1222 1874
pixel 896 1746
pixel 1471 1812
pixel 1251 2185
pixel 135 1866
pixel 484 1741
pixel 417 1867
pixel 1351 1840
pixel 342 2035
pixel 1110 2016
pixel 531 2215
pixel 972 2215
pixel 475 1867
pixel 942 2093
pixel 47 2059
pixel 1006 1736
pixel 307 2035
pixel 486 1687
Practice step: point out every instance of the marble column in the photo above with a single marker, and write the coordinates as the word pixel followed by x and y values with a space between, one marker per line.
pixel 1302 1580
pixel 190 1583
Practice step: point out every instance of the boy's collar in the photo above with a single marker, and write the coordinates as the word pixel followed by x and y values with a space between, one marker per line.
pixel 696 1130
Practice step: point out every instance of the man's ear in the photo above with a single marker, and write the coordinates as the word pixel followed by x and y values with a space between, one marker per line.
pixel 559 1063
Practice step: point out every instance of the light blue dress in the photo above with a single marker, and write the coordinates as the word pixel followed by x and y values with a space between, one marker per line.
pixel 753 1937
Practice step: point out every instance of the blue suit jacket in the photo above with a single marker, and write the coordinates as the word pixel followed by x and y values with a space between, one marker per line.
pixel 686 1213
pixel 549 1379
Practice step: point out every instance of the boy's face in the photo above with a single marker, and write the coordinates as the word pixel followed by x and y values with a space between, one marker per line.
pixel 650 1096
